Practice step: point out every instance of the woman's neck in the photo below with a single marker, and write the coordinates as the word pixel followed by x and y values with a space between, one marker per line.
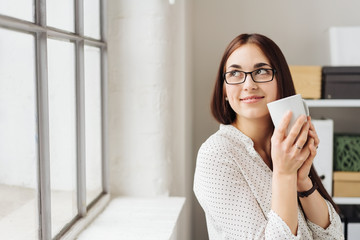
pixel 260 132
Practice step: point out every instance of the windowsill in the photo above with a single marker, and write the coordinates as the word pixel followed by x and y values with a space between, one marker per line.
pixel 92 214
pixel 18 207
pixel 136 218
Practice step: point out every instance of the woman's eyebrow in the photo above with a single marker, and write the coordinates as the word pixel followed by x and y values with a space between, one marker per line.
pixel 235 66
pixel 257 65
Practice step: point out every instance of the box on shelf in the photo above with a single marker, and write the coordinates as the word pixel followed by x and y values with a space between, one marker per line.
pixel 307 80
pixel 346 184
pixel 341 82
pixel 347 153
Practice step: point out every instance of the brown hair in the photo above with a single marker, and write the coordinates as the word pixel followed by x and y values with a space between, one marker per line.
pixel 222 110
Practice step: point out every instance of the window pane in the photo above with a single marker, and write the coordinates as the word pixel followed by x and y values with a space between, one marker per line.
pixel 92 18
pixel 18 138
pixel 60 14
pixel 62 129
pixel 93 123
pixel 23 9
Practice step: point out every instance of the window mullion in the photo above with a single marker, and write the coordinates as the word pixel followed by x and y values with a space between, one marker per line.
pixel 80 106
pixel 103 22
pixel 105 165
pixel 43 128
pixel 44 146
pixel 80 98
pixel 79 17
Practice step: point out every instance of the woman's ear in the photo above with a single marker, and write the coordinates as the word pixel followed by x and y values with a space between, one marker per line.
pixel 224 93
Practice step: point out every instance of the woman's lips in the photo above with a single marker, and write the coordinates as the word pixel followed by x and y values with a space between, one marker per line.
pixel 251 99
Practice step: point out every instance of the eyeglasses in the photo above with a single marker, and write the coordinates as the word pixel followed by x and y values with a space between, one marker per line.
pixel 260 75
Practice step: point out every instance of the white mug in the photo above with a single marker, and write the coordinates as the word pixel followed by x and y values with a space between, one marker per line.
pixel 294 103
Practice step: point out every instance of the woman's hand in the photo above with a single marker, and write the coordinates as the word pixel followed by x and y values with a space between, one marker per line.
pixel 288 153
pixel 303 181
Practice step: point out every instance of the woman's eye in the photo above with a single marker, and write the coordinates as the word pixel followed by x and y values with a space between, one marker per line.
pixel 235 73
pixel 262 71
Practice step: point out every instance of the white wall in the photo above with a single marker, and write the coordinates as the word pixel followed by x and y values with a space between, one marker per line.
pixel 140 83
pixel 300 28
pixel 149 112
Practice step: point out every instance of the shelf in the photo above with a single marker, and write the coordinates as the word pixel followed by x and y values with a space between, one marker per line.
pixel 347 200
pixel 333 103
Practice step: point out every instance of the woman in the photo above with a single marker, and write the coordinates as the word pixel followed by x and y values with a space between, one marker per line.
pixel 254 181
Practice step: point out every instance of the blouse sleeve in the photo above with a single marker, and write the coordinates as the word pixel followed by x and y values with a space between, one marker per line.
pixel 278 229
pixel 333 231
pixel 231 210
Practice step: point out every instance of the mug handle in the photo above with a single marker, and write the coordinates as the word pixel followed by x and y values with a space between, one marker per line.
pixel 306 108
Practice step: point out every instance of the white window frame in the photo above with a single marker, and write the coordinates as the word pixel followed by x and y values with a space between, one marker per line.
pixel 41 32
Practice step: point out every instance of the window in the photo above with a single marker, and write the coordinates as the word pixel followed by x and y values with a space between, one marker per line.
pixel 53 163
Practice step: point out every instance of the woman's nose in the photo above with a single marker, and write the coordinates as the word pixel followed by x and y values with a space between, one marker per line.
pixel 249 83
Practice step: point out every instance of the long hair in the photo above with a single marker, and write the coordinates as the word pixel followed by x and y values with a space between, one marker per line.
pixel 222 110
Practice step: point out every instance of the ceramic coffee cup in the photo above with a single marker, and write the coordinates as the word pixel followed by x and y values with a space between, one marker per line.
pixel 294 103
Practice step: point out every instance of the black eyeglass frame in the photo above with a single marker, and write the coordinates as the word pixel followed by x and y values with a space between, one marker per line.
pixel 250 73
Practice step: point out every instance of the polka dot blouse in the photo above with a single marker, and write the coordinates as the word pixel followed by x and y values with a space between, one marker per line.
pixel 233 185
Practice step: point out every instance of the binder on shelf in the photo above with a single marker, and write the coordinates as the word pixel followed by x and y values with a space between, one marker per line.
pixel 341 82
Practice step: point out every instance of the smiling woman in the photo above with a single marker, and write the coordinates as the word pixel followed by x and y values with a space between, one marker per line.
pixel 253 181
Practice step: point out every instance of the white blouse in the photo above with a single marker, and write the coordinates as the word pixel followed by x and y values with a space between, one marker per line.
pixel 233 185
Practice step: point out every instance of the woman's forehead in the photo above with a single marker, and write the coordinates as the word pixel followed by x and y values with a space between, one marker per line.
pixel 247 56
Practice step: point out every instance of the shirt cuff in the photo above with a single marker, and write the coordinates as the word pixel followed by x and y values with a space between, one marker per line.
pixel 335 227
pixel 278 229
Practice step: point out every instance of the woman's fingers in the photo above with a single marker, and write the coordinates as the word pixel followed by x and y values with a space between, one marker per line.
pixel 291 152
pixel 298 134
pixel 280 131
pixel 313 134
pixel 309 152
